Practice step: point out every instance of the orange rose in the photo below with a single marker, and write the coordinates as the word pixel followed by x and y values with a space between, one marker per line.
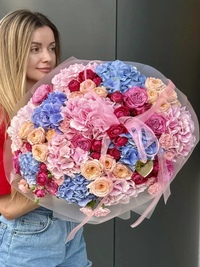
pixel 121 171
pixel 40 152
pixel 91 169
pixel 101 187
pixel 26 129
pixel 37 136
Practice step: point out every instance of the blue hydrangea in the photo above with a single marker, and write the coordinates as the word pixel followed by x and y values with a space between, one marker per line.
pixel 129 155
pixel 29 167
pixel 74 190
pixel 47 115
pixel 118 76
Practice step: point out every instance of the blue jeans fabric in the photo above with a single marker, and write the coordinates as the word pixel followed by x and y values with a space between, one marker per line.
pixel 37 239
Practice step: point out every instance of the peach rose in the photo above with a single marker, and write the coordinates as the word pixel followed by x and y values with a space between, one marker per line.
pixel 26 129
pixel 101 187
pixel 101 91
pixel 37 136
pixel 75 94
pixel 50 134
pixel 91 169
pixel 154 83
pixel 163 106
pixel 40 152
pixel 121 171
pixel 87 86
pixel 152 96
pixel 108 163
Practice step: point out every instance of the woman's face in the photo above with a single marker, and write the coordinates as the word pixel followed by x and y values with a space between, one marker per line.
pixel 42 57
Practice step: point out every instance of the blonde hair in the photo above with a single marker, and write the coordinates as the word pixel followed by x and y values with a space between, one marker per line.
pixel 16 30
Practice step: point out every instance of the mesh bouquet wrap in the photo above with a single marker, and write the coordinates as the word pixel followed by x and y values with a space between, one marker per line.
pixel 95 139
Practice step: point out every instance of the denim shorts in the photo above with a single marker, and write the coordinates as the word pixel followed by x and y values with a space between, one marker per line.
pixel 38 239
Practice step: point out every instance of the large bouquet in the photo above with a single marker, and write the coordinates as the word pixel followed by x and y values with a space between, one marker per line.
pixel 100 138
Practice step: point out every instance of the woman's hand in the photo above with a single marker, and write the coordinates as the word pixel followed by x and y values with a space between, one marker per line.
pixel 15 204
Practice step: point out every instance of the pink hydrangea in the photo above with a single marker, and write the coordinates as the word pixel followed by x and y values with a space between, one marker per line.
pixel 122 191
pixel 181 127
pixel 85 115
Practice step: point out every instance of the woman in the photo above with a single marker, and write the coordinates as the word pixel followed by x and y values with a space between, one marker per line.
pixel 29 234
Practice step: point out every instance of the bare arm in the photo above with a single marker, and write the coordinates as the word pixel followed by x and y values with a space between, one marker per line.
pixel 15 205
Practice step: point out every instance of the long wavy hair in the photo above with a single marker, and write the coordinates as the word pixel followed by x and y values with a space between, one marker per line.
pixel 16 30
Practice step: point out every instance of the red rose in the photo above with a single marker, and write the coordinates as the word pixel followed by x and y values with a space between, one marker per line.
pixel 86 74
pixel 97 80
pixel 74 85
pixel 116 130
pixel 121 112
pixel 96 155
pixel 42 178
pixel 114 152
pixel 80 141
pixel 120 141
pixel 43 167
pixel 96 145
pixel 137 178
pixel 116 97
pixel 141 110
pixel 52 187
pixel 40 193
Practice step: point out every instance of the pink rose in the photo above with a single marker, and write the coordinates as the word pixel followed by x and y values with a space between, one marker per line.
pixel 135 97
pixel 74 85
pixel 116 130
pixel 116 97
pixel 120 141
pixel 80 141
pixel 41 93
pixel 157 123
pixel 121 112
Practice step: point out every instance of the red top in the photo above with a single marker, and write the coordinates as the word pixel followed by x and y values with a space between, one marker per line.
pixel 5 187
